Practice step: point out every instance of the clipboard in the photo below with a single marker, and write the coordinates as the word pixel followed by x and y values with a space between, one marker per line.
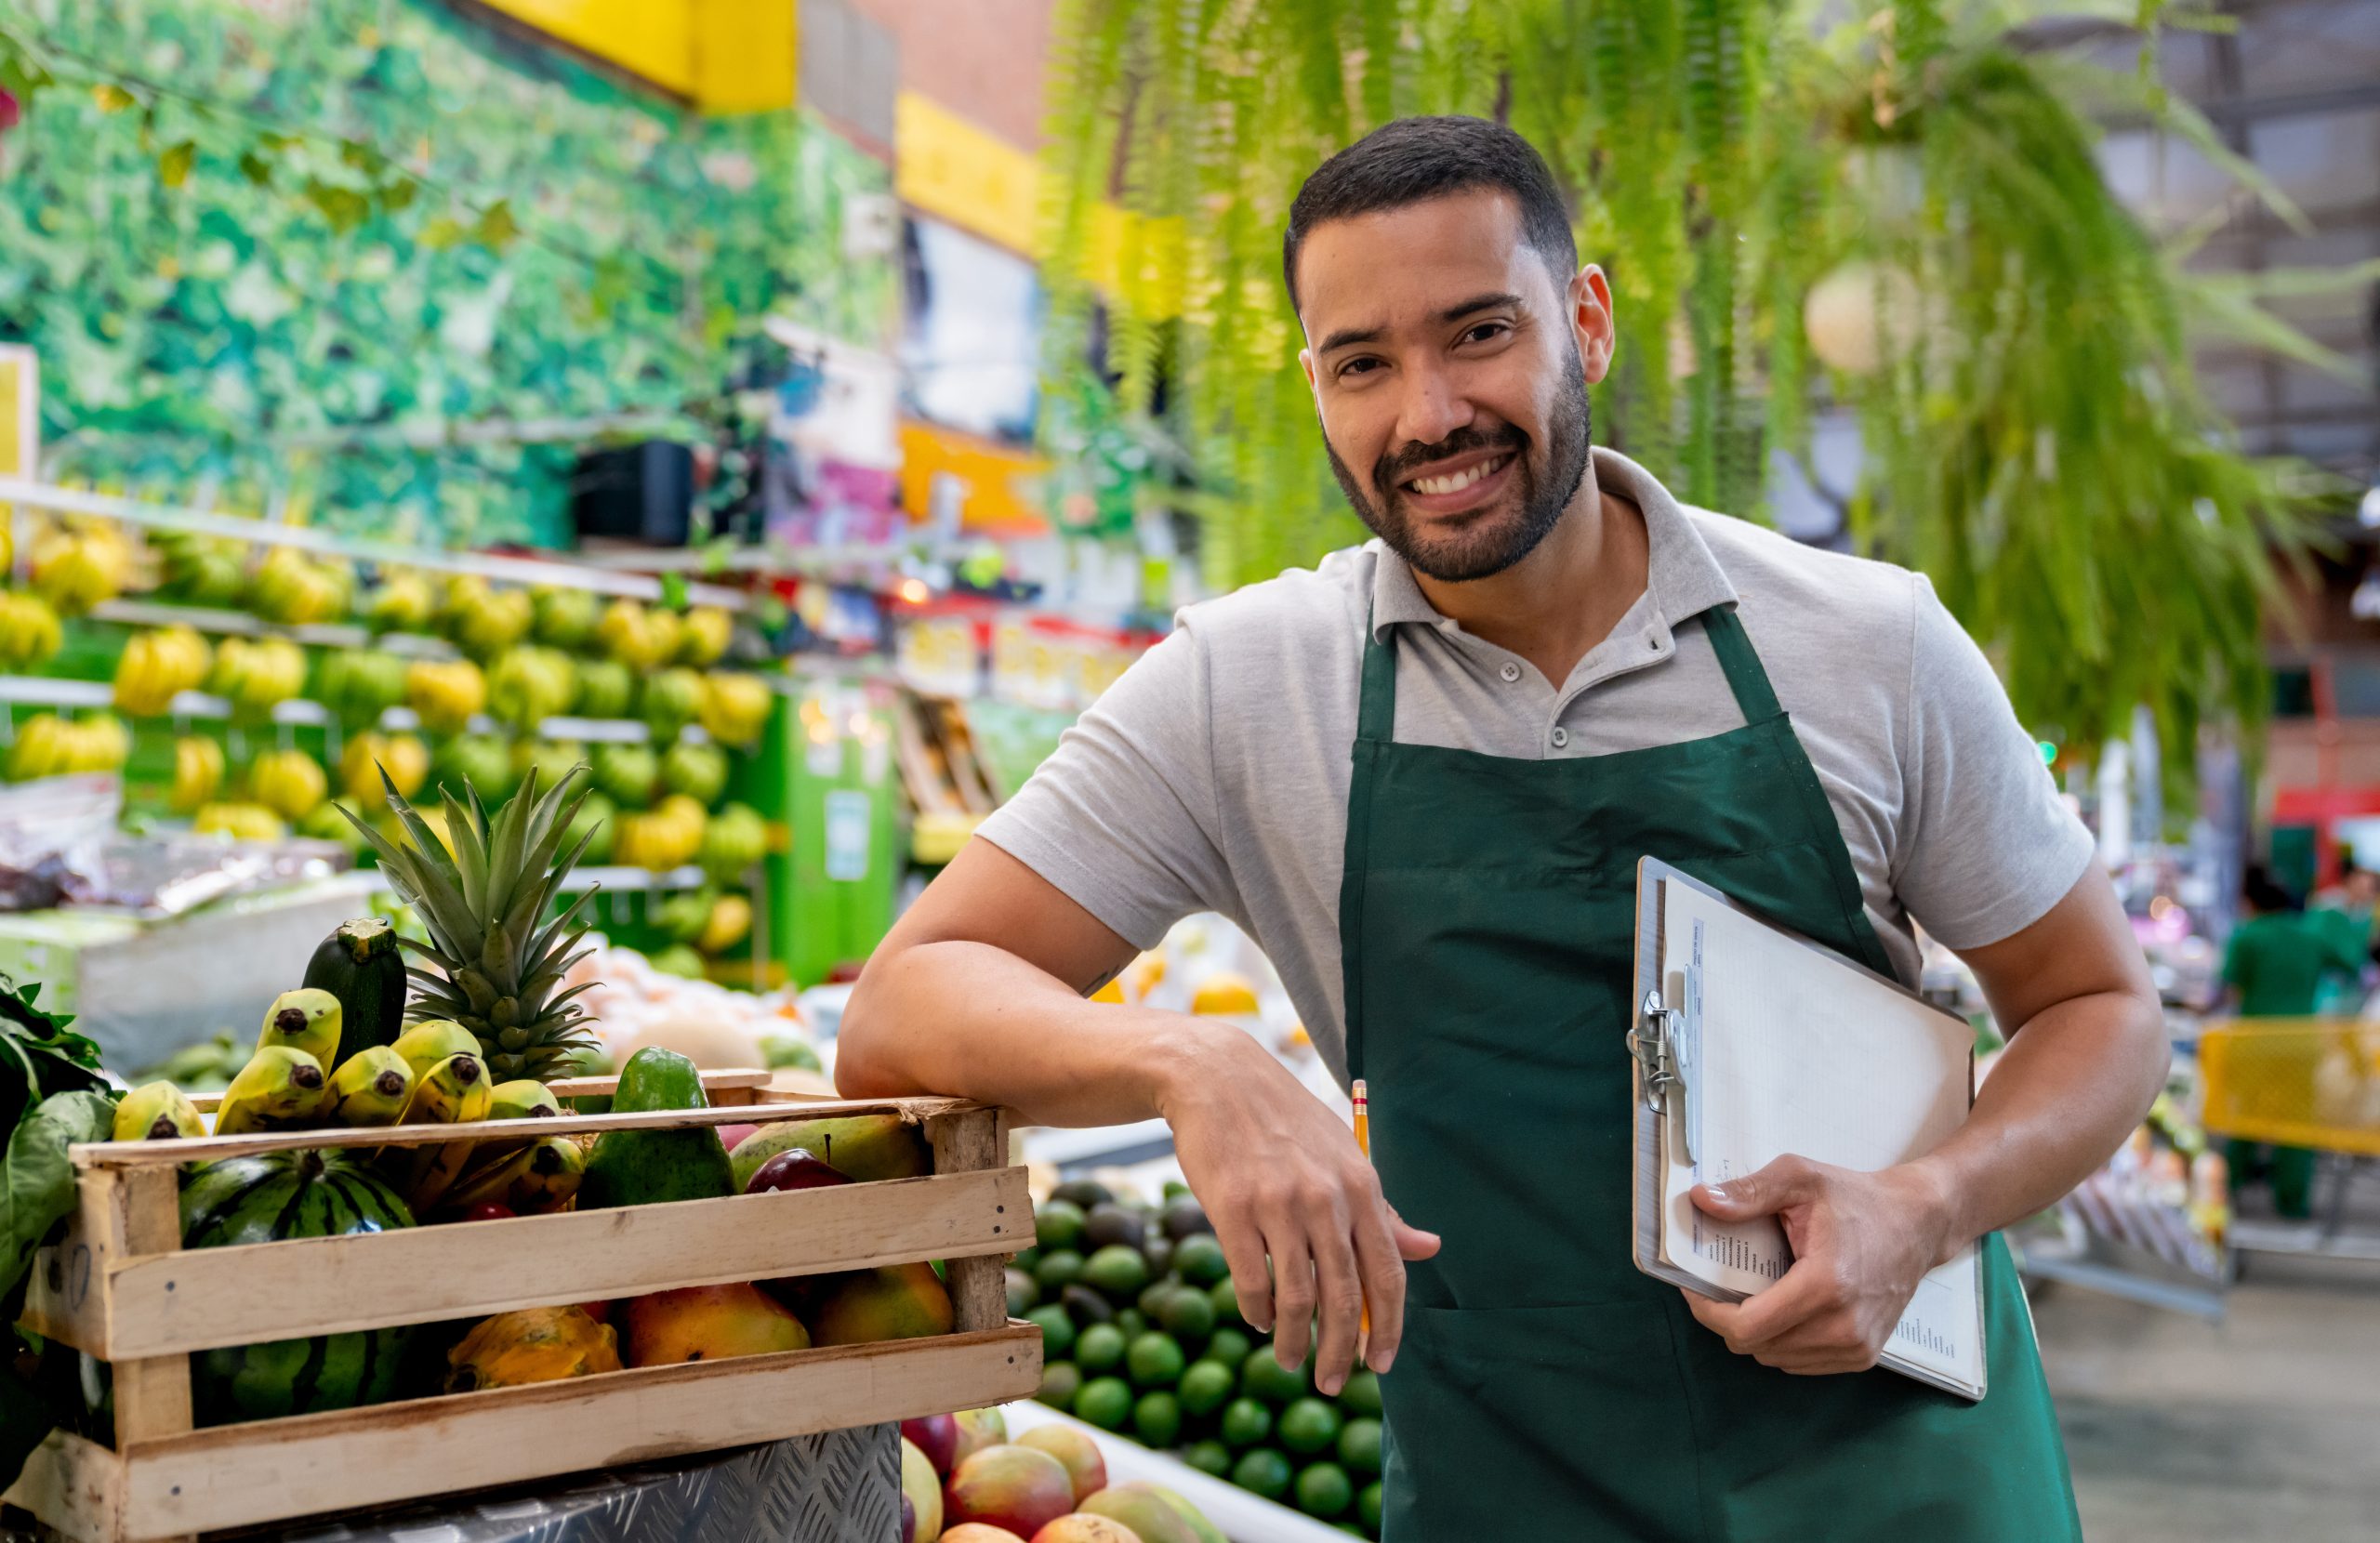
pixel 1749 1040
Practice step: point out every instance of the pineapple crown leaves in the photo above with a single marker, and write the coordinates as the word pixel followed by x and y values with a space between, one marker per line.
pixel 483 905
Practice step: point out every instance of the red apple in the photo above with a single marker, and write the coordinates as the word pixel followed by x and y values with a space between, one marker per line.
pixel 796 1168
pixel 937 1437
pixel 488 1210
pixel 729 1135
pixel 1021 1488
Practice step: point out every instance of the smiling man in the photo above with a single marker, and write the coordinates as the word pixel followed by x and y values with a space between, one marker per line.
pixel 1422 776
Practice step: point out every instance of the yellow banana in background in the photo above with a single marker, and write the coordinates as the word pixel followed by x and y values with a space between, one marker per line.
pixel 371 1088
pixel 307 1019
pixel 432 1040
pixel 198 772
pixel 281 1087
pixel 155 1111
pixel 454 1091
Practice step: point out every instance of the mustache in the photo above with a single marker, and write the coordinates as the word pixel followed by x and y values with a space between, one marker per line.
pixel 1390 471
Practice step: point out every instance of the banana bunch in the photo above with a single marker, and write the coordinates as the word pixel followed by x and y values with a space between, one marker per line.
pixel 202 570
pixel 637 636
pixel 667 836
pixel 704 637
pixel 159 666
pixel 76 568
pixel 529 684
pixel 451 1086
pixel 257 673
pixel 289 783
pixel 294 589
pixel 484 620
pixel 359 685
pixel 240 822
pixel 445 692
pixel 404 602
pixel 49 745
pixel 28 630
pixel 406 758
pixel 198 772
pixel 736 707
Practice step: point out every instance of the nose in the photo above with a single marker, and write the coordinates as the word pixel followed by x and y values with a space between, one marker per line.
pixel 1432 409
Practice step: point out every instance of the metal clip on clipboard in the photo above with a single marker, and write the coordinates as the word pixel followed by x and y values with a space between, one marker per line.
pixel 1664 1042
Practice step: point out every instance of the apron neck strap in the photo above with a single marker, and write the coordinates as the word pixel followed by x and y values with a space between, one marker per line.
pixel 1376 708
pixel 1754 697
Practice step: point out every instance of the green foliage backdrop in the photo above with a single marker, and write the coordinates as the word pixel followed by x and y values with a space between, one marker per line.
pixel 378 257
pixel 2035 438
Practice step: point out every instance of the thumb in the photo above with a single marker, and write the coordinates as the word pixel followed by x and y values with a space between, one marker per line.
pixel 1765 1193
pixel 1411 1241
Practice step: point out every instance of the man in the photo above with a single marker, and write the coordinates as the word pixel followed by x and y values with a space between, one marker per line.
pixel 2278 963
pixel 1423 777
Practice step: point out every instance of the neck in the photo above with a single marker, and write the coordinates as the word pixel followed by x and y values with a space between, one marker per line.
pixel 1559 601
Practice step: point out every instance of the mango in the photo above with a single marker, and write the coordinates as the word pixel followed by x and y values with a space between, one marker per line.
pixel 864 1146
pixel 977 1430
pixel 976 1532
pixel 1208 1532
pixel 1078 1452
pixel 1021 1488
pixel 921 1487
pixel 900 1302
pixel 1140 1508
pixel 1076 1527
pixel 708 1322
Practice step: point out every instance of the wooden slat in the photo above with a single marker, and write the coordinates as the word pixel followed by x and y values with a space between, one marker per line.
pixel 198 1298
pixel 93 1155
pixel 66 1289
pixel 73 1484
pixel 244 1474
pixel 967 1142
pixel 151 1393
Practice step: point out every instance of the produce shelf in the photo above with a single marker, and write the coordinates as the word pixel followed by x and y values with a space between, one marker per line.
pixel 44 691
pixel 119 1286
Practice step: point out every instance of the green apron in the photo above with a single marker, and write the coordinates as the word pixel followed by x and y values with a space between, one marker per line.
pixel 1546 1387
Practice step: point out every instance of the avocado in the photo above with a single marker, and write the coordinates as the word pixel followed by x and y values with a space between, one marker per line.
pixel 644 1167
pixel 1107 1225
pixel 1083 1194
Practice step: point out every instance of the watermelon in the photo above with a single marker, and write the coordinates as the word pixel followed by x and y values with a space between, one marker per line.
pixel 264 1199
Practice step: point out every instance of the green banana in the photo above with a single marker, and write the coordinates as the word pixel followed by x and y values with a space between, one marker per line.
pixel 156 1111
pixel 280 1087
pixel 305 1020
pixel 432 1041
pixel 371 1088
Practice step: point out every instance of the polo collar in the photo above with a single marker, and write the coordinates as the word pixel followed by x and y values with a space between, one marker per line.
pixel 1682 578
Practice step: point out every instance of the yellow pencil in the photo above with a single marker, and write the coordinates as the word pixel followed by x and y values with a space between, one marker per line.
pixel 1364 1144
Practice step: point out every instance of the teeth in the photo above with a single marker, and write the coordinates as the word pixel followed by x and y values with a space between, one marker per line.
pixel 1457 480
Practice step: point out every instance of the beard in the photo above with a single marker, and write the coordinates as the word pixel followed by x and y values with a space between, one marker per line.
pixel 1491 539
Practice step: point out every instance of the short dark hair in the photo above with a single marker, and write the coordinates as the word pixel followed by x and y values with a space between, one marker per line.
pixel 1413 160
pixel 2261 890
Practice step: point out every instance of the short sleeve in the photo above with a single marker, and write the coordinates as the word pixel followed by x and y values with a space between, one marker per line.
pixel 1122 816
pixel 1991 844
pixel 2235 959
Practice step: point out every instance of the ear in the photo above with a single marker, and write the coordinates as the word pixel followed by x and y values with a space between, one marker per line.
pixel 1590 303
pixel 1312 382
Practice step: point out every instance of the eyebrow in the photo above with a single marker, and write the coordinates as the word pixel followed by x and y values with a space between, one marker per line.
pixel 1345 336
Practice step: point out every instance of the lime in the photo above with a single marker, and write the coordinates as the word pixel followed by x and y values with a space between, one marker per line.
pixel 1359 1447
pixel 1060 1381
pixel 1262 1376
pixel 1206 1387
pixel 1198 1258
pixel 1175 1189
pixel 1155 1361
pixel 1101 1348
pixel 1265 1472
pixel 1187 1315
pixel 1117 1270
pixel 1325 1490
pixel 1209 1457
pixel 1132 1322
pixel 1057 1225
pixel 1028 1260
pixel 1057 1270
pixel 1309 1425
pixel 1368 1506
pixel 1157 1420
pixel 1226 1301
pixel 1361 1397
pixel 1230 1347
pixel 1106 1401
pixel 1245 1422
pixel 1057 1332
pixel 1022 1292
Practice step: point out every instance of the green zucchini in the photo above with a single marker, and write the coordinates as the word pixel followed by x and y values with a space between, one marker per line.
pixel 361 964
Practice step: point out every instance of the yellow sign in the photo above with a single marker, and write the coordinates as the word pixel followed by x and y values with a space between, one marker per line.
pixel 995 481
pixel 724 56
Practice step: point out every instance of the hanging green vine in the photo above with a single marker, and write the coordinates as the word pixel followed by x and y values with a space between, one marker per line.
pixel 2033 436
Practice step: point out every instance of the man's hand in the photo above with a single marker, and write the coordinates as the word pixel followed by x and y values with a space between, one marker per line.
pixel 1861 1242
pixel 1280 1177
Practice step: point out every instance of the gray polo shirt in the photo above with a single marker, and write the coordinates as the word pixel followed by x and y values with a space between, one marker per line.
pixel 1213 775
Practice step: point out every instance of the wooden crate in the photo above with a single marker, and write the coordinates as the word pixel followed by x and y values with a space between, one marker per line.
pixel 120 1286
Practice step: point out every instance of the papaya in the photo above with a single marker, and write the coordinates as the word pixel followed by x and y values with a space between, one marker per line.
pixel 536 1344
pixel 645 1167
pixel 861 1146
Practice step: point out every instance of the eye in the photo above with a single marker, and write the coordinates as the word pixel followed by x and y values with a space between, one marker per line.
pixel 1486 332
pixel 1363 363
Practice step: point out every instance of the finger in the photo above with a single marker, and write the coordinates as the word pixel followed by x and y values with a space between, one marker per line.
pixel 1786 1181
pixel 1411 1241
pixel 1251 1282
pixel 1293 1292
pixel 1379 1260
pixel 1718 1316
pixel 1341 1302
pixel 1802 1293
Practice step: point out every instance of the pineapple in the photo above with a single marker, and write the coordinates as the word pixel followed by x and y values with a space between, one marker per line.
pixel 499 960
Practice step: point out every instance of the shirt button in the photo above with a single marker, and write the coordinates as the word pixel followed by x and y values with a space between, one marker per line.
pixel 1561 738
pixel 1511 672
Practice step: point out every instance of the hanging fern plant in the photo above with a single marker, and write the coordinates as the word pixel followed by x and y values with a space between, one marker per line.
pixel 1758 192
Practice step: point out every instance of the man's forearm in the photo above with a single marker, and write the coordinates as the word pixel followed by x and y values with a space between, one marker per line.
pixel 2072 1084
pixel 974 1021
